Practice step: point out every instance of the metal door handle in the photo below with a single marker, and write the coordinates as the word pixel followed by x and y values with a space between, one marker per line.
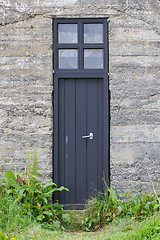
pixel 90 136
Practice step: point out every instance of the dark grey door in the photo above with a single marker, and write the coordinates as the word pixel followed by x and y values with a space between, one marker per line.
pixel 81 110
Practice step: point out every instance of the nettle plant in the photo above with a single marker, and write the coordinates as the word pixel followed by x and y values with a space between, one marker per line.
pixel 32 195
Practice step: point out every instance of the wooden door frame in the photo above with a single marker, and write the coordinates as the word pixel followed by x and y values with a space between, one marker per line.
pixel 88 73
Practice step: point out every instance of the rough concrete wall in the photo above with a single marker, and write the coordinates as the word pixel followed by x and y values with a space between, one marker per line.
pixel 26 83
pixel 135 99
pixel 26 92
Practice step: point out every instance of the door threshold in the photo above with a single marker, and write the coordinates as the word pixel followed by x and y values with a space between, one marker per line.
pixel 73 206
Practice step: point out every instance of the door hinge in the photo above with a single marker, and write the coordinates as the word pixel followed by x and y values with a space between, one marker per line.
pixel 53 71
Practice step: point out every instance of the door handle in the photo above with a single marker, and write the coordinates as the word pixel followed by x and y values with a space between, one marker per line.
pixel 90 136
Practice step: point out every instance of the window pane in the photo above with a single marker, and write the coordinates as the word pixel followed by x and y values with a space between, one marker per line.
pixel 93 58
pixel 67 33
pixel 93 33
pixel 68 58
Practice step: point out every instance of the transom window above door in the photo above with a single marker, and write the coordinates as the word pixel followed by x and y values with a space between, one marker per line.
pixel 80 44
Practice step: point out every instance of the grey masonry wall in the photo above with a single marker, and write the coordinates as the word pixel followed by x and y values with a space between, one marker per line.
pixel 26 84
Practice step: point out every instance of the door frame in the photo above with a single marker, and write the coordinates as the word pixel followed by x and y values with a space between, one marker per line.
pixel 87 73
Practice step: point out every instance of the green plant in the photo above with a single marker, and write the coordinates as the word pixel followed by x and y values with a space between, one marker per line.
pixel 104 207
pixel 101 209
pixel 12 216
pixel 139 206
pixel 88 222
pixel 2 236
pixel 149 229
pixel 31 195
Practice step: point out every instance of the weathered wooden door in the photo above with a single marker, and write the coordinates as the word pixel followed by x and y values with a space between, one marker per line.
pixel 81 109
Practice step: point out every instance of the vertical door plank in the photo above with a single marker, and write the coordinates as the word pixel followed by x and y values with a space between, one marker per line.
pixel 91 144
pixel 61 142
pixel 70 140
pixel 106 130
pixel 80 143
pixel 100 133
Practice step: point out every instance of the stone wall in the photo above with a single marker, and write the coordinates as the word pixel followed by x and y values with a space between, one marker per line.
pixel 27 84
